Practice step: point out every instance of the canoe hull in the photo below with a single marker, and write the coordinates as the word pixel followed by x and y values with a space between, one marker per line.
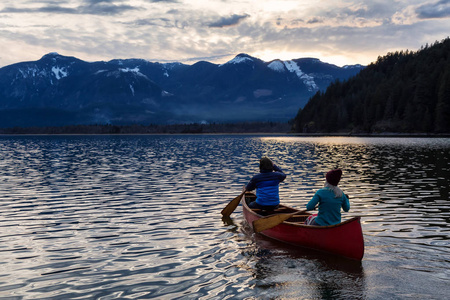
pixel 344 239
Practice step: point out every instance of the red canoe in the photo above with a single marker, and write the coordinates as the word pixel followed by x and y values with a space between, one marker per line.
pixel 344 239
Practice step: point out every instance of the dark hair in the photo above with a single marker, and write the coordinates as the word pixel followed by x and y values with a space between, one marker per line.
pixel 266 164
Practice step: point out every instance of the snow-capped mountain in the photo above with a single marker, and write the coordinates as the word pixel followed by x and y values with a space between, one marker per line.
pixel 61 90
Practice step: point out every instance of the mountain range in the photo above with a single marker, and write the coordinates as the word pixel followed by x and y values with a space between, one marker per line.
pixel 58 90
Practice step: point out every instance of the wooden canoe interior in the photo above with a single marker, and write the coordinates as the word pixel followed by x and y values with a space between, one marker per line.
pixel 300 219
pixel 344 239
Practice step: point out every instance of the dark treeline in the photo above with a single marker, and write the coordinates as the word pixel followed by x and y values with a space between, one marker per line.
pixel 244 127
pixel 405 91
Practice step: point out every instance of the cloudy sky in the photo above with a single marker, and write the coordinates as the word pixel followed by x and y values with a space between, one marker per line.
pixel 335 31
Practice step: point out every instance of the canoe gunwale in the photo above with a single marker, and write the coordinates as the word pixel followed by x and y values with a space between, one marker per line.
pixel 297 224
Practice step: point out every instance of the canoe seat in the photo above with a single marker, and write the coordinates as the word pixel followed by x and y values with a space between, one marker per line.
pixel 283 210
pixel 264 212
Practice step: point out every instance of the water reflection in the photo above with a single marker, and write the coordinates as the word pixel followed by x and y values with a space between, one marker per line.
pixel 296 273
pixel 138 217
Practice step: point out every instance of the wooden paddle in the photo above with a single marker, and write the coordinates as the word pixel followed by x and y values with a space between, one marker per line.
pixel 272 221
pixel 226 212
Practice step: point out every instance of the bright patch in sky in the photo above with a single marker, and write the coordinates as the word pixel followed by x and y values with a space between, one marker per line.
pixel 335 31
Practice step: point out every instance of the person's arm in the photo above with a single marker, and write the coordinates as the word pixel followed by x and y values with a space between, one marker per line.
pixel 251 185
pixel 313 202
pixel 278 170
pixel 346 203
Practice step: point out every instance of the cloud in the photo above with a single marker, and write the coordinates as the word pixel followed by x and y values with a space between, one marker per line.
pixel 196 59
pixel 351 13
pixel 92 7
pixel 105 9
pixel 228 21
pixel 357 30
pixel 159 22
pixel 440 9
pixel 45 9
pixel 315 20
pixel 165 1
pixel 93 2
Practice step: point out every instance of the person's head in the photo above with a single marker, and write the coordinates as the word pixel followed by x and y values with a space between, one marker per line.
pixel 334 176
pixel 265 164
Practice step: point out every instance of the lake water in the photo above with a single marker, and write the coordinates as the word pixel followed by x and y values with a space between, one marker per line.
pixel 138 217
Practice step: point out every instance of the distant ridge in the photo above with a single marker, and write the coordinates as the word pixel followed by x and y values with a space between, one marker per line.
pixel 61 90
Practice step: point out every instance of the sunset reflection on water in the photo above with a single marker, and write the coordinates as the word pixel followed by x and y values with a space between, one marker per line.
pixel 139 217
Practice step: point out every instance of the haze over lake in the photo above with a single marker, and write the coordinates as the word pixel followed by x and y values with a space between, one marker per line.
pixel 138 217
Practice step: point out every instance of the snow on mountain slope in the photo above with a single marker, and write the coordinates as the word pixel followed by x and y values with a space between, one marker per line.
pixel 277 66
pixel 134 71
pixel 59 72
pixel 307 79
pixel 293 67
pixel 239 59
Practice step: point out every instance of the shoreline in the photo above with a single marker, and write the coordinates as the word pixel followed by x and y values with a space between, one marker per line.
pixel 290 134
pixel 240 128
pixel 388 134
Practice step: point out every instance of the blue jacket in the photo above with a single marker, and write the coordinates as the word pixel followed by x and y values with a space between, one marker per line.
pixel 266 185
pixel 329 206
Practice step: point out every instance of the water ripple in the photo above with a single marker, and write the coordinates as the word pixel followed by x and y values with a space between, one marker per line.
pixel 104 217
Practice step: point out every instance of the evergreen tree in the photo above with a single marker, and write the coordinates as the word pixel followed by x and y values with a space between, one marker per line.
pixel 442 123
pixel 404 91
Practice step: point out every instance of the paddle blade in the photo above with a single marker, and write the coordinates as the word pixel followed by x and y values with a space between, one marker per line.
pixel 228 210
pixel 272 221
pixel 269 222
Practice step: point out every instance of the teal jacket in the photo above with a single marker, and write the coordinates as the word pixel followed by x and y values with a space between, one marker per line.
pixel 329 206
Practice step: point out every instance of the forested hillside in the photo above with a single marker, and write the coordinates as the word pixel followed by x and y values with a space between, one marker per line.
pixel 406 91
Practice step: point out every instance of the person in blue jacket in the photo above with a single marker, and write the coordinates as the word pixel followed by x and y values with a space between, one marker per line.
pixel 330 199
pixel 266 185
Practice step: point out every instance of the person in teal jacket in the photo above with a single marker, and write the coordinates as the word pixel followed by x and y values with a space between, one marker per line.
pixel 330 199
